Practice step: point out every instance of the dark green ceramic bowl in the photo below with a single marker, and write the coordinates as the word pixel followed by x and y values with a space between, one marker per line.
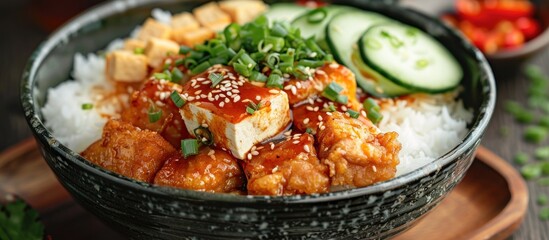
pixel 144 211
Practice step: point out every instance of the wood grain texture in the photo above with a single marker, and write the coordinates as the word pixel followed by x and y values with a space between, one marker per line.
pixel 20 37
pixel 489 203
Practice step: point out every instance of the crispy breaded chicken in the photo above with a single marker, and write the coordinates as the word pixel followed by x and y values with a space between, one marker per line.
pixel 357 155
pixel 156 93
pixel 210 170
pixel 289 167
pixel 299 90
pixel 129 151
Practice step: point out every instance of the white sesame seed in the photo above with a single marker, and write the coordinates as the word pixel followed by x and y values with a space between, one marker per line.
pixel 306 148
pixel 374 168
pixel 258 98
pixel 298 84
pixel 216 97
pixel 294 90
pixel 309 108
pixel 344 108
pixel 316 109
pixel 190 98
pixel 229 93
pixel 329 113
pixel 235 91
pixel 288 133
pixel 255 153
pixel 272 145
pixel 196 86
pixel 334 65
pixel 249 156
pixel 320 118
pixel 236 99
pixel 197 92
pixel 274 91
pixel 306 120
pixel 203 96
pixel 286 75
pixel 275 169
pixel 204 125
pixel 287 87
pixel 221 104
pixel 363 113
pixel 322 127
pixel 211 152
pixel 227 100
pixel 295 142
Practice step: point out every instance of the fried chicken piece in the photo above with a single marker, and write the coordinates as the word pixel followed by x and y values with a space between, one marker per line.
pixel 129 151
pixel 299 90
pixel 156 94
pixel 210 171
pixel 287 168
pixel 308 115
pixel 357 155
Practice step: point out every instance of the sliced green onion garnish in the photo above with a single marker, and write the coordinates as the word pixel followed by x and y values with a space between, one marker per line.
pixel 87 106
pixel 530 171
pixel 521 158
pixel 369 104
pixel 311 63
pixel 276 42
pixel 332 91
pixel 342 99
pixel 258 77
pixel 374 116
pixel 139 50
pixel 200 68
pixel 161 76
pixel 216 78
pixel 242 69
pixel 184 50
pixel 542 153
pixel 154 114
pixel 317 15
pixel 331 107
pixel 177 75
pixel 190 63
pixel 353 113
pixel 250 110
pixel 189 147
pixel 278 30
pixel 535 134
pixel 275 80
pixel 203 135
pixel 177 99
pixel 179 62
pixel 309 130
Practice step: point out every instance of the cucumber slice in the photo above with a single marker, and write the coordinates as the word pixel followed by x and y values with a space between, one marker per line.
pixel 410 58
pixel 342 34
pixel 284 12
pixel 314 21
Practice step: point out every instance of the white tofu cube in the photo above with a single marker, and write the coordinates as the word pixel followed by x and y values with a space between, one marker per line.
pixel 212 17
pixel 153 29
pixel 194 37
pixel 125 66
pixel 132 44
pixel 223 109
pixel 243 11
pixel 158 49
pixel 185 21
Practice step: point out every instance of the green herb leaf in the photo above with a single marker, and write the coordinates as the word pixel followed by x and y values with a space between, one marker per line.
pixel 19 221
pixel 204 135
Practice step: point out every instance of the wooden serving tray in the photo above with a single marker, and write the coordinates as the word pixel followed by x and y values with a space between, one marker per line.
pixel 489 203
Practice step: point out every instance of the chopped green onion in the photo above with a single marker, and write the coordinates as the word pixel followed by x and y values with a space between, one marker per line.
pixel 309 130
pixel 87 106
pixel 342 99
pixel 521 158
pixel 139 50
pixel 184 50
pixel 258 77
pixel 177 99
pixel 161 76
pixel 374 116
pixel 544 214
pixel 242 69
pixel 216 78
pixel 370 104
pixel 189 63
pixel 535 134
pixel 189 147
pixel 317 15
pixel 154 114
pixel 275 80
pixel 542 153
pixel 353 113
pixel 542 199
pixel 332 91
pixel 278 30
pixel 311 63
pixel 177 75
pixel 330 108
pixel 273 59
pixel 217 60
pixel 203 135
pixel 277 43
pixel 200 68
pixel 231 32
pixel 250 110
pixel 179 62
pixel 530 171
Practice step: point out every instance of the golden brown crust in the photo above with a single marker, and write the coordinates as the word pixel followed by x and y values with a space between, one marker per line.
pixel 356 154
pixel 129 151
pixel 287 168
pixel 210 170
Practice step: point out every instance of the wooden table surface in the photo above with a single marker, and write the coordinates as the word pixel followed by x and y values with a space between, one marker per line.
pixel 21 35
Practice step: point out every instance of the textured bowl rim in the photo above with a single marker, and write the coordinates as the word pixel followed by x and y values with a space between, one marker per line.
pixel 100 11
